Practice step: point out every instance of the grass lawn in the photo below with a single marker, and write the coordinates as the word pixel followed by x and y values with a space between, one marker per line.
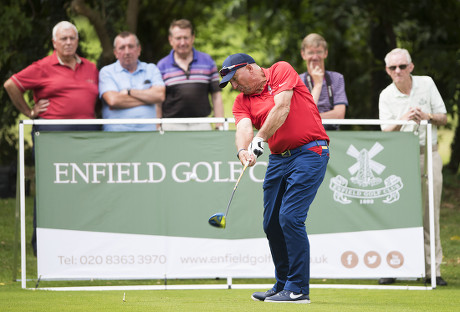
pixel 13 298
pixel 228 300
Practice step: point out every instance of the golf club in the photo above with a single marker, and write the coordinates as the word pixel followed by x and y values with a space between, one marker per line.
pixel 219 219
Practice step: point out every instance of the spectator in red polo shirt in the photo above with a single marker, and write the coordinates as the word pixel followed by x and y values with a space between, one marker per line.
pixel 64 86
pixel 277 103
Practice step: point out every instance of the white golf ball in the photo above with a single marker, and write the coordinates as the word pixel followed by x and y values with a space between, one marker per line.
pixel 193 176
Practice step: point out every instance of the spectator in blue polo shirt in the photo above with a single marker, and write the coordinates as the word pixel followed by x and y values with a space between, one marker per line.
pixel 129 88
pixel 190 76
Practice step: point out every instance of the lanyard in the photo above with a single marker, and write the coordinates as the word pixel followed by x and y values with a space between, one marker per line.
pixel 309 84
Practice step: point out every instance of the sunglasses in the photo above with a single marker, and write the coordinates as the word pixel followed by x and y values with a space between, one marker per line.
pixel 401 67
pixel 226 70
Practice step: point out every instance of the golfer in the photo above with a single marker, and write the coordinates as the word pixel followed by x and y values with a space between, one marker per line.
pixel 277 103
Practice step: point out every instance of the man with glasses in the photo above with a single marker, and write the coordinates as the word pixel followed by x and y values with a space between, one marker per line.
pixel 416 98
pixel 190 77
pixel 326 87
pixel 277 103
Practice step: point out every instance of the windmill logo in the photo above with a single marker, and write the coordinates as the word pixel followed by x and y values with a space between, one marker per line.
pixel 364 173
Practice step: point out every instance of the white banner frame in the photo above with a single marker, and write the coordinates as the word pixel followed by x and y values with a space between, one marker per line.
pixel 226 122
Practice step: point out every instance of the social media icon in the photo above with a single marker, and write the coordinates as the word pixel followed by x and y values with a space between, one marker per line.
pixel 372 259
pixel 349 259
pixel 395 259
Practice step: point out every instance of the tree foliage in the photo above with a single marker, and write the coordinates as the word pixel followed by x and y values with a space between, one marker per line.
pixel 148 19
pixel 359 34
pixel 25 36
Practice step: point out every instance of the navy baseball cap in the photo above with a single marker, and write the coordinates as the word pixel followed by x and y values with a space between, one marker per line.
pixel 231 64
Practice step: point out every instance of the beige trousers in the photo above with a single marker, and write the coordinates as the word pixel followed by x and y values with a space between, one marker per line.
pixel 437 191
pixel 187 127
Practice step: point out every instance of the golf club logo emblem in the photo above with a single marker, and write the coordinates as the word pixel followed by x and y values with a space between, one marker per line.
pixel 364 173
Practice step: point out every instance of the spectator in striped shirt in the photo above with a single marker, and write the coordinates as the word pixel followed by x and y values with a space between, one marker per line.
pixel 190 77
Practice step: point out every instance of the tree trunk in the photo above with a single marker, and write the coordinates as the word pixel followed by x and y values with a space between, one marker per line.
pixel 382 40
pixel 131 15
pixel 99 24
pixel 454 163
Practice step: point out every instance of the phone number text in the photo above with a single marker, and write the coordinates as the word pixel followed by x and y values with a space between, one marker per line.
pixel 112 260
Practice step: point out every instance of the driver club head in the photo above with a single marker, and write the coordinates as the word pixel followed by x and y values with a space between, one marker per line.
pixel 217 220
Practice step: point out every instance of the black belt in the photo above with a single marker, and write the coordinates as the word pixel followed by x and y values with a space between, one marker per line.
pixel 288 153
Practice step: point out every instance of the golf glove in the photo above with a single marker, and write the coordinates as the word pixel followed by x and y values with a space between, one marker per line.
pixel 256 147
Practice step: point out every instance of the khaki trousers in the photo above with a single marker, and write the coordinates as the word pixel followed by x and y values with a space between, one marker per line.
pixel 437 191
pixel 187 127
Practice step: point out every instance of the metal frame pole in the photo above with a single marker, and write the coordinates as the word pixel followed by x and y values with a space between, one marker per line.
pixel 429 167
pixel 23 204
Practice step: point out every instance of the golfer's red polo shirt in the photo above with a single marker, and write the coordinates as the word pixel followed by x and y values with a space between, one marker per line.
pixel 303 123
pixel 72 93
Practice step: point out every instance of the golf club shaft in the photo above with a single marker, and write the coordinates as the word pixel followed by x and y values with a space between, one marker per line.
pixel 236 185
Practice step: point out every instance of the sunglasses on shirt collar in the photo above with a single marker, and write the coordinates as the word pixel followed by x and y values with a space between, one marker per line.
pixel 401 67
pixel 226 70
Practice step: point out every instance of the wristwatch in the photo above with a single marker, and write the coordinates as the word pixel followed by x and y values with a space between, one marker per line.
pixel 129 91
pixel 238 154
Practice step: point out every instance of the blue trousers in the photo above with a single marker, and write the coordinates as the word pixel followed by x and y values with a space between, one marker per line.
pixel 290 186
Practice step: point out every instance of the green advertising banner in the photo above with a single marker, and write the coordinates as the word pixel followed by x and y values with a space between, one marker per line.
pixel 145 183
pixel 136 205
pixel 372 183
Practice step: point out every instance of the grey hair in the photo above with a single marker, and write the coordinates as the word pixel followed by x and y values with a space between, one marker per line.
pixel 398 51
pixel 125 34
pixel 64 25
